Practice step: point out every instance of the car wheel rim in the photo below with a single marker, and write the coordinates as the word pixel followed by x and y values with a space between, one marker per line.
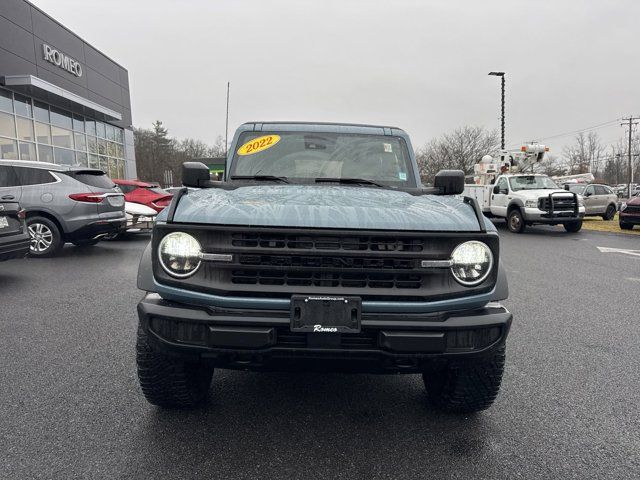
pixel 515 222
pixel 41 237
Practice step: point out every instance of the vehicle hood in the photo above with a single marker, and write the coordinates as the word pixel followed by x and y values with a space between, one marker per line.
pixel 535 194
pixel 326 207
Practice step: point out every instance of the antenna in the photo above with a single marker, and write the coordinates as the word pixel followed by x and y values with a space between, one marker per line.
pixel 226 124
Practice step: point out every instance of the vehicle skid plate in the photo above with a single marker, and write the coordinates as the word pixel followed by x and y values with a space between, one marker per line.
pixel 325 314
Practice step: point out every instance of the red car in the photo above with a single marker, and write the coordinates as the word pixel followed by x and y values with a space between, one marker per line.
pixel 630 213
pixel 148 194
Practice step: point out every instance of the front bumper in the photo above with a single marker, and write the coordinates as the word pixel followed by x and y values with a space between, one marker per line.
pixel 262 339
pixel 629 218
pixel 536 215
pixel 14 246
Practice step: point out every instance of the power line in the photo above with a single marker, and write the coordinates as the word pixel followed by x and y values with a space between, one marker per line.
pixel 581 130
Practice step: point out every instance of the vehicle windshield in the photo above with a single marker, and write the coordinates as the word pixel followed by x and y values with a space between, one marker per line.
pixel 303 157
pixel 579 189
pixel 531 182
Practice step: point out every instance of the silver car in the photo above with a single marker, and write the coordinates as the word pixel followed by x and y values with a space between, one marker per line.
pixel 62 203
pixel 599 200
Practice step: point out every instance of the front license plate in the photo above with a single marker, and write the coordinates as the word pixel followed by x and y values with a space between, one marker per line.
pixel 325 314
pixel 4 222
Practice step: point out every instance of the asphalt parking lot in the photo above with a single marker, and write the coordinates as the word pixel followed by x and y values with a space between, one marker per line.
pixel 70 406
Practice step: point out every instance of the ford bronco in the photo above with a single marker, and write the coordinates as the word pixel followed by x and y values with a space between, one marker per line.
pixel 321 250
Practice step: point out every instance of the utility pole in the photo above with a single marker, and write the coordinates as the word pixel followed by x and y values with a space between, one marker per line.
pixel 226 125
pixel 501 75
pixel 630 123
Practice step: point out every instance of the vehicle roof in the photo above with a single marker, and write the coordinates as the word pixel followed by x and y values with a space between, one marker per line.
pixel 136 183
pixel 341 124
pixel 46 165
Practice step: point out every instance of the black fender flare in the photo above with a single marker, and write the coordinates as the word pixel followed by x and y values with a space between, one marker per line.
pixel 501 292
pixel 516 202
pixel 145 271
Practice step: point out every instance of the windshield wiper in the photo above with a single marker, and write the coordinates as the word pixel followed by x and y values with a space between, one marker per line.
pixel 268 178
pixel 348 181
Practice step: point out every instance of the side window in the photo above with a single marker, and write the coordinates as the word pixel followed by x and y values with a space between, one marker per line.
pixel 502 184
pixel 8 177
pixel 607 190
pixel 33 176
pixel 127 188
pixel 589 190
pixel 600 190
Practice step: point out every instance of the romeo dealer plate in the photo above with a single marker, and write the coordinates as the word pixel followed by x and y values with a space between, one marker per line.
pixel 3 221
pixel 325 314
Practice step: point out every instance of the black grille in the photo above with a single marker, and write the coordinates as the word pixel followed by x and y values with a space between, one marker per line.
pixel 559 204
pixel 279 262
pixel 632 209
pixel 326 279
pixel 326 242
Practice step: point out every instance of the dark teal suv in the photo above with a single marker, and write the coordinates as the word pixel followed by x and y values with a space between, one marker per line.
pixel 321 250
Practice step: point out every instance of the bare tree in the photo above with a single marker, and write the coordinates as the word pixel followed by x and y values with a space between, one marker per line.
pixel 459 150
pixel 586 154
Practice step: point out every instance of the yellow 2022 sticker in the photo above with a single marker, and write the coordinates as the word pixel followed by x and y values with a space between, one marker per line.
pixel 258 144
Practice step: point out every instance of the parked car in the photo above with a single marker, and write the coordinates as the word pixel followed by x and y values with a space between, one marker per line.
pixel 140 219
pixel 323 251
pixel 630 213
pixel 62 203
pixel 148 194
pixel 14 238
pixel 599 200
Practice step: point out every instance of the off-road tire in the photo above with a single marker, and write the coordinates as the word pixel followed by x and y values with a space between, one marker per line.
pixel 610 213
pixel 515 221
pixel 466 386
pixel 50 232
pixel 626 226
pixel 573 227
pixel 170 382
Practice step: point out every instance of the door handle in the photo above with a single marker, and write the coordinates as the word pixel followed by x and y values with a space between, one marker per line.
pixel 8 197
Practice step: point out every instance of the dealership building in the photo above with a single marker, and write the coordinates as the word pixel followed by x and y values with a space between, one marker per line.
pixel 61 99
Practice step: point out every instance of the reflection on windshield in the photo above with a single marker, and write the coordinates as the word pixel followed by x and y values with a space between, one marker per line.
pixel 304 156
pixel 531 182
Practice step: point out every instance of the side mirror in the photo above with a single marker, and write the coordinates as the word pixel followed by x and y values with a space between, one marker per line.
pixel 587 194
pixel 195 174
pixel 450 182
pixel 566 187
pixel 496 189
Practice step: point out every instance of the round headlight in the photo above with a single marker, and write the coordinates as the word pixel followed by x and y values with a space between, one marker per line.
pixel 179 254
pixel 471 263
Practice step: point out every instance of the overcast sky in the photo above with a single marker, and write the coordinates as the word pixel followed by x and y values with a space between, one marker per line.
pixel 419 65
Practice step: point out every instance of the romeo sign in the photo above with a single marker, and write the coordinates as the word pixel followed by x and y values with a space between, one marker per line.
pixel 61 60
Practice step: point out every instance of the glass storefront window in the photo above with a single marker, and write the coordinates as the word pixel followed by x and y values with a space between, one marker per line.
pixel 119 135
pixel 121 173
pixel 45 153
pixel 64 156
pixel 43 133
pixel 81 142
pixel 25 129
pixel 7 125
pixel 61 118
pixel 104 163
pixel 102 146
pixel 41 111
pixel 100 130
pixel 90 127
pixel 27 151
pixel 22 106
pixel 111 132
pixel 119 151
pixel 92 144
pixel 81 159
pixel 78 123
pixel 93 161
pixel 8 149
pixel 6 103
pixel 62 137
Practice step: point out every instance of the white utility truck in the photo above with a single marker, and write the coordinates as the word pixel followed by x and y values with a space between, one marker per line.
pixel 503 189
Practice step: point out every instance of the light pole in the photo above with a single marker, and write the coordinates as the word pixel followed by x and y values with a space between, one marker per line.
pixel 501 75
